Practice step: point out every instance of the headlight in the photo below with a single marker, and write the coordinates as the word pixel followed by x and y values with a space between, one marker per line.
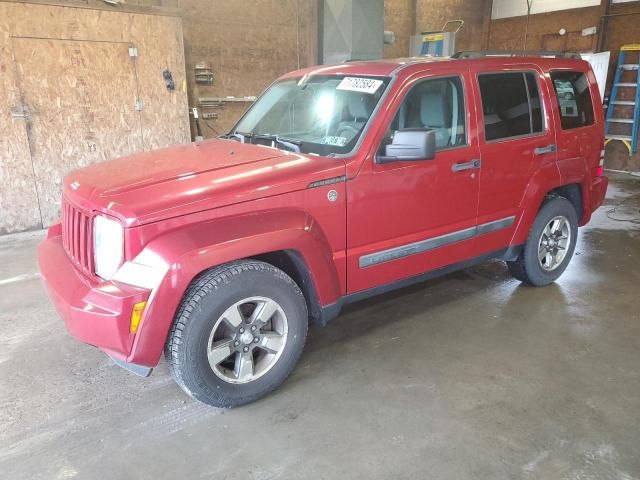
pixel 108 242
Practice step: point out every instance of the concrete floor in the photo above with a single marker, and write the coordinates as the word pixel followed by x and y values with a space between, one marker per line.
pixel 469 376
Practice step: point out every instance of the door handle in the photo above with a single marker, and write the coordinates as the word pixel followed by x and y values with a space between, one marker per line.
pixel 459 167
pixel 543 150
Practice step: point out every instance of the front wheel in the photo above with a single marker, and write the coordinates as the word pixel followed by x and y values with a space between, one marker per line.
pixel 238 333
pixel 550 245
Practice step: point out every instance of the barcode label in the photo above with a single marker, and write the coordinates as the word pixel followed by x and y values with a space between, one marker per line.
pixel 362 85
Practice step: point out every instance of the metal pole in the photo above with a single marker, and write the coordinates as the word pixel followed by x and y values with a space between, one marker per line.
pixel 526 28
pixel 297 35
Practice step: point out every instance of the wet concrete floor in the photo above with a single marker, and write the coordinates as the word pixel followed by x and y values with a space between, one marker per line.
pixel 471 376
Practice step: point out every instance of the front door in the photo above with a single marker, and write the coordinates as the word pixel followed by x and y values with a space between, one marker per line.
pixel 406 218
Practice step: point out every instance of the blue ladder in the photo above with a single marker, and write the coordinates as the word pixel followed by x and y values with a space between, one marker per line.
pixel 631 140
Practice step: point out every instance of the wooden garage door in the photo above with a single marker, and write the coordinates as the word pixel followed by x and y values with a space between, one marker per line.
pixel 79 103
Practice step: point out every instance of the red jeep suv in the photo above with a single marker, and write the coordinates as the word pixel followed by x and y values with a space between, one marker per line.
pixel 339 183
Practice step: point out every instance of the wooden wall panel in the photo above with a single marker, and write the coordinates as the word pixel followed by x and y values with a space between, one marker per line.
pixel 75 120
pixel 160 46
pixel 163 120
pixel 18 200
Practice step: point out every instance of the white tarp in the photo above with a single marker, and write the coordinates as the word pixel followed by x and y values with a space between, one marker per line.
pixel 600 64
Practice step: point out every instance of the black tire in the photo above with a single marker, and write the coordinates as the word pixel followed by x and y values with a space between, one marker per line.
pixel 527 267
pixel 203 304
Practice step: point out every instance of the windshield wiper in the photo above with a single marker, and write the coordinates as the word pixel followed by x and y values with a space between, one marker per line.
pixel 291 144
pixel 239 135
pixel 246 137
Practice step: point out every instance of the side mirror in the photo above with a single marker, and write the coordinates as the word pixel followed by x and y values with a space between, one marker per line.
pixel 410 144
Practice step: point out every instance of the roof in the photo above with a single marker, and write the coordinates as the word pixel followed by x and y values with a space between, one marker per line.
pixel 384 67
pixel 388 66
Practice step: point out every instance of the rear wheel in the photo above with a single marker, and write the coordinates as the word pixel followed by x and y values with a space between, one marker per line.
pixel 238 333
pixel 550 245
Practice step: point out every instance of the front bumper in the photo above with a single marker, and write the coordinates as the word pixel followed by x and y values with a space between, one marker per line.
pixel 94 311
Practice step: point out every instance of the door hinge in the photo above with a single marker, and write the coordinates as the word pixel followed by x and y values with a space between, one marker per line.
pixel 139 105
pixel 21 112
pixel 133 52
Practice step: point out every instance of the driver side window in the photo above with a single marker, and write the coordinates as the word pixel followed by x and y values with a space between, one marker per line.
pixel 436 104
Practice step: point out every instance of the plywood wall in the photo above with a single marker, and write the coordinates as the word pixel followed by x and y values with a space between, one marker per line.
pixel 80 112
pixel 18 199
pixel 29 190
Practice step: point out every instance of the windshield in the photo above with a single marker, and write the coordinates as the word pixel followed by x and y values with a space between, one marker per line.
pixel 321 114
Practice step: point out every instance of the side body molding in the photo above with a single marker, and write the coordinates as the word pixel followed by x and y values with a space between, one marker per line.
pixel 184 253
pixel 434 242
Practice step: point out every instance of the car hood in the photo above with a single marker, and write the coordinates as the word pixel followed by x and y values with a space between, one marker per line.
pixel 183 179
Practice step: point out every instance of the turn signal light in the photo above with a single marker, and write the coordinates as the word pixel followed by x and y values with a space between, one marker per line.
pixel 136 315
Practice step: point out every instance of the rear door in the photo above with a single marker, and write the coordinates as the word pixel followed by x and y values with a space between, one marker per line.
pixel 580 132
pixel 516 142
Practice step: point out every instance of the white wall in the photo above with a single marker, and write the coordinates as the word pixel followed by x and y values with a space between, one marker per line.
pixel 515 8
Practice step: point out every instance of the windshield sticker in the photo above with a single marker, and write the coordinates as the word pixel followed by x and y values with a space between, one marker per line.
pixel 362 85
pixel 336 141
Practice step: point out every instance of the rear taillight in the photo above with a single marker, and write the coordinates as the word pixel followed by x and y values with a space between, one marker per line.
pixel 600 167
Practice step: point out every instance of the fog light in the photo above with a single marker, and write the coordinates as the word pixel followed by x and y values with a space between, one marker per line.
pixel 136 315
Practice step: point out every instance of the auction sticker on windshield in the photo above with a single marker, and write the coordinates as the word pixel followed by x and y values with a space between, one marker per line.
pixel 337 141
pixel 357 84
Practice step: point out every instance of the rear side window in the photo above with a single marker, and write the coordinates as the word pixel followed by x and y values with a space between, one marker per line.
pixel 574 99
pixel 511 104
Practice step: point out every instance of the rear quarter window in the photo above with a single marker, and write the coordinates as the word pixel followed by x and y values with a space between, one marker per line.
pixel 574 99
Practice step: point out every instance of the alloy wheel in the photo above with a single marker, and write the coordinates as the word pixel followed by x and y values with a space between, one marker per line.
pixel 554 243
pixel 247 340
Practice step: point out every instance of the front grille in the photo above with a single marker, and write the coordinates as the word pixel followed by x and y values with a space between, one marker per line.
pixel 77 237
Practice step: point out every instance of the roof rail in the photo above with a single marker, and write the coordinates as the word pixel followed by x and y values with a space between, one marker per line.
pixel 515 53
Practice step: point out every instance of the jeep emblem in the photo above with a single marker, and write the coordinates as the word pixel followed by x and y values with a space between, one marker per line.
pixel 332 195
